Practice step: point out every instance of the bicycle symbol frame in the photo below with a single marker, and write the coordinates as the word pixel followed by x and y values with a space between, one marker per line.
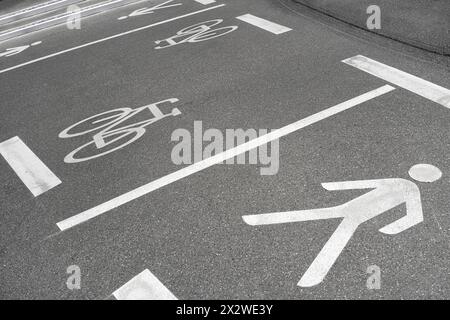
pixel 109 123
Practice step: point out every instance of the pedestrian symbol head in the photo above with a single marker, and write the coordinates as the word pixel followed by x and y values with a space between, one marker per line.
pixel 425 173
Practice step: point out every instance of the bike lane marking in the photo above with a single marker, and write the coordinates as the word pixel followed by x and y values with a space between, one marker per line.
pixel 219 158
pixel 108 38
pixel 264 24
pixel 31 170
pixel 144 286
pixel 402 79
pixel 195 33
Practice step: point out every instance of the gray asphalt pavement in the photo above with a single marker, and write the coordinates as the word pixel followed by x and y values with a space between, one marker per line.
pixel 190 233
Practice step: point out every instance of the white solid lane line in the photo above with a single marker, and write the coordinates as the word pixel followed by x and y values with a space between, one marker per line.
pixel 219 158
pixel 402 79
pixel 30 9
pixel 264 24
pixel 205 2
pixel 64 16
pixel 144 286
pixel 108 38
pixel 31 170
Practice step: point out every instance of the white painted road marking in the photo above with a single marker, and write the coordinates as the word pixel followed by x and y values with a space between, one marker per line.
pixel 30 169
pixel 198 32
pixel 264 24
pixel 402 79
pixel 16 50
pixel 108 38
pixel 205 2
pixel 56 18
pixel 144 286
pixel 30 9
pixel 219 158
pixel 385 195
pixel 144 11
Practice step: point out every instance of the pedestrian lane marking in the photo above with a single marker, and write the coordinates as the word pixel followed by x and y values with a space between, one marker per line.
pixel 219 158
pixel 264 24
pixel 384 195
pixel 31 170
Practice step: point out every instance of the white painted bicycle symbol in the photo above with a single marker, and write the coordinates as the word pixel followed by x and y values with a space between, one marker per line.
pixel 112 135
pixel 198 32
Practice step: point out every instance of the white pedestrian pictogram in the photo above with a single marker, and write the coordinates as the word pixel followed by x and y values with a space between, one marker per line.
pixel 385 195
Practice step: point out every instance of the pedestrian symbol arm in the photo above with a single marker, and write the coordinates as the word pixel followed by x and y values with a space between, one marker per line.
pixel 353 185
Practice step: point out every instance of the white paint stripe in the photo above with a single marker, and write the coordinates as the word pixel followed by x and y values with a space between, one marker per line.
pixel 402 79
pixel 108 38
pixel 205 2
pixel 59 17
pixel 201 165
pixel 30 9
pixel 30 169
pixel 144 286
pixel 264 24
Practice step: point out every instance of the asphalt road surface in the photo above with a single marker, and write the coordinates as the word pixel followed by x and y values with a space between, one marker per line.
pixel 116 214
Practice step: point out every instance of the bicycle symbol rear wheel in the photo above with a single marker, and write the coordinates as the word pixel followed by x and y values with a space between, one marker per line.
pixel 126 137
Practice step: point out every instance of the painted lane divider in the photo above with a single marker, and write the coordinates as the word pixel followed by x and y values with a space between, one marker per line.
pixel 31 170
pixel 61 18
pixel 108 38
pixel 219 158
pixel 35 10
pixel 402 79
pixel 264 24
pixel 144 286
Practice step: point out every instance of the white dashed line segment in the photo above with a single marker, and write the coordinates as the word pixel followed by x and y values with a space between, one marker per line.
pixel 31 170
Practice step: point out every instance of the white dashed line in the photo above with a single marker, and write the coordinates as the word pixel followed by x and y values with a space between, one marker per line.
pixel 144 286
pixel 30 169
pixel 402 79
pixel 219 158
pixel 264 24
